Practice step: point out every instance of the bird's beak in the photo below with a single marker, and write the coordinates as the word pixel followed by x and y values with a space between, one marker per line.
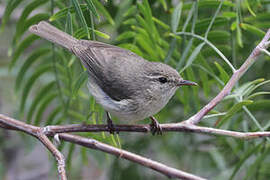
pixel 187 83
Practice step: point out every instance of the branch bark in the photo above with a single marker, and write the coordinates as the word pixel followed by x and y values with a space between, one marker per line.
pixel 145 128
pixel 159 167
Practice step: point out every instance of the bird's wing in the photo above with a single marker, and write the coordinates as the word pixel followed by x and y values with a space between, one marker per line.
pixel 109 66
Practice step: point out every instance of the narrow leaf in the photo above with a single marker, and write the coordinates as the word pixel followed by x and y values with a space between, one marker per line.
pixel 233 110
pixel 79 82
pixel 43 106
pixel 176 17
pixel 29 84
pixel 38 99
pixel 21 47
pixel 81 16
pixel 103 11
pixel 193 56
pixel 92 8
pixel 33 57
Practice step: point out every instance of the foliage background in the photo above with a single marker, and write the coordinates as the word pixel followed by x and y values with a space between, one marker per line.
pixel 44 84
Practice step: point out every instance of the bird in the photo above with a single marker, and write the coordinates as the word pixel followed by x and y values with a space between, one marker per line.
pixel 126 85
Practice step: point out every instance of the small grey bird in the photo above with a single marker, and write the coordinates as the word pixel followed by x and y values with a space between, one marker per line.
pixel 126 85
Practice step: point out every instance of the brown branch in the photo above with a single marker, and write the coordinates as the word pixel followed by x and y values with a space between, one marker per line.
pixel 159 167
pixel 235 77
pixel 145 128
pixel 42 133
pixel 10 123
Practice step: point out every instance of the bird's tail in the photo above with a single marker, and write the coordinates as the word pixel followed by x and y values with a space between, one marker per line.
pixel 51 33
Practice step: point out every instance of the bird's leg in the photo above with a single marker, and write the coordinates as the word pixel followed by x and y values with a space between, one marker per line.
pixel 155 127
pixel 110 123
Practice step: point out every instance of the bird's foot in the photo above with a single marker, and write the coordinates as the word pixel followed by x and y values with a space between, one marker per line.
pixel 110 124
pixel 155 126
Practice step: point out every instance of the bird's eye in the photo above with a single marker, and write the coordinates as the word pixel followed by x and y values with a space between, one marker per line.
pixel 162 80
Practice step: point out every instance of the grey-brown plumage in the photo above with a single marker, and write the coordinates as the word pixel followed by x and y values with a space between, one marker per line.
pixel 125 84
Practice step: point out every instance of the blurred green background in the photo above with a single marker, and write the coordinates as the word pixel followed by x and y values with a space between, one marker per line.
pixel 43 84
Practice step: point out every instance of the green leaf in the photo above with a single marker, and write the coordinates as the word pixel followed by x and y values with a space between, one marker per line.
pixel 219 36
pixel 43 105
pixel 254 30
pixel 164 4
pixel 195 90
pixel 38 99
pixel 223 74
pixel 252 170
pixel 263 17
pixel 92 8
pixel 71 149
pixel 103 11
pixel 33 57
pixel 29 22
pixel 125 35
pixel 11 5
pixel 210 73
pixel 79 82
pixel 244 157
pixel 233 110
pixel 260 105
pixel 239 35
pixel 171 49
pixel 80 33
pixel 185 54
pixel 76 115
pixel 69 27
pixel 130 21
pixel 229 14
pixel 53 114
pixel 249 8
pixel 21 47
pixel 81 17
pixel 27 10
pixel 176 16
pixel 63 12
pixel 132 48
pixel 147 22
pixel 131 11
pixel 162 24
pixel 205 84
pixel 193 56
pixel 29 84
pixel 146 45
pixel 258 94
pixel 260 83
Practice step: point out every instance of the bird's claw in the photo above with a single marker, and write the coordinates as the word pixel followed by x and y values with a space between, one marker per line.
pixel 110 124
pixel 155 127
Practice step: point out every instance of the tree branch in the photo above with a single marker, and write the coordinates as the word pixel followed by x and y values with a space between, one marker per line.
pixel 263 45
pixel 42 133
pixel 145 128
pixel 10 123
pixel 159 167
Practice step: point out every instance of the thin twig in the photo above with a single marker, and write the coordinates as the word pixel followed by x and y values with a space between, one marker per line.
pixel 10 123
pixel 145 128
pixel 235 77
pixel 159 167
